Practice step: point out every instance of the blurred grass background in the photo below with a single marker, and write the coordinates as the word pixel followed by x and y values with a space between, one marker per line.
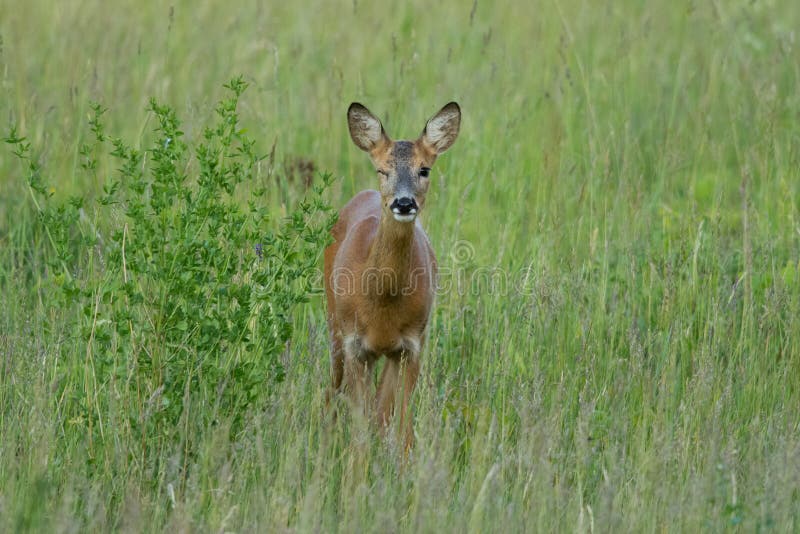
pixel 638 163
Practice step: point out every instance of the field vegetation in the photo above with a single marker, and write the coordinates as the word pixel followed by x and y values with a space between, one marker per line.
pixel 616 342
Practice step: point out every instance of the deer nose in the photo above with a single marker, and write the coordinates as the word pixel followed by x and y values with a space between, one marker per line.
pixel 404 206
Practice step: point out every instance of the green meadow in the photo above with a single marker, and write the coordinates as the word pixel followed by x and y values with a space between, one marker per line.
pixel 616 340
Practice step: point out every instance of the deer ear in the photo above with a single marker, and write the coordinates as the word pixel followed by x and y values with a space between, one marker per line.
pixel 366 130
pixel 442 129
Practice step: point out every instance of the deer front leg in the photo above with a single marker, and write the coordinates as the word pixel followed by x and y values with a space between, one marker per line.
pixel 387 388
pixel 337 368
pixel 358 366
pixel 337 361
pixel 399 373
pixel 410 370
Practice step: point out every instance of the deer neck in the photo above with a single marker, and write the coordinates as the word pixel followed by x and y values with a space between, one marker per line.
pixel 390 259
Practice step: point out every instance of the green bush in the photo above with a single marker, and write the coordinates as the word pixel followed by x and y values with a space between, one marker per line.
pixel 185 300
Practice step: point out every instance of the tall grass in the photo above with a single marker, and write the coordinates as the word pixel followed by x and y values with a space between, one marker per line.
pixel 617 347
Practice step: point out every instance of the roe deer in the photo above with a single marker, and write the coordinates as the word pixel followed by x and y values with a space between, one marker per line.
pixel 380 271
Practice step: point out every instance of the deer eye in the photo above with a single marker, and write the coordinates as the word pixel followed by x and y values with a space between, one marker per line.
pixel 424 171
pixel 383 173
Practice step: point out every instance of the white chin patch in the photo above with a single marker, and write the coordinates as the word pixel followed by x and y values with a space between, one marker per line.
pixel 404 217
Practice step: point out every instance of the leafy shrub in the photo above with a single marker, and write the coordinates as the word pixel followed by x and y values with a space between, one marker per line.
pixel 186 296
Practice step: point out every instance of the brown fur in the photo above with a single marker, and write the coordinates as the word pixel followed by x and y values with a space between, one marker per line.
pixel 380 273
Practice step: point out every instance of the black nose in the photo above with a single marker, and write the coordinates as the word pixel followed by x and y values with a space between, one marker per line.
pixel 403 205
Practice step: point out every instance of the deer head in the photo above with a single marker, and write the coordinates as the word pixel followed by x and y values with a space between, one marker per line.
pixel 403 166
